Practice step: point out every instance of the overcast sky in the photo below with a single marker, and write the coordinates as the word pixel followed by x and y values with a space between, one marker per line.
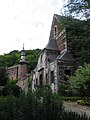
pixel 26 21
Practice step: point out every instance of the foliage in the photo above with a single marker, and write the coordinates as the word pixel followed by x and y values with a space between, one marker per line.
pixel 11 90
pixel 39 105
pixel 78 8
pixel 13 58
pixel 83 102
pixel 75 98
pixel 49 105
pixel 78 38
pixel 3 76
pixel 62 88
pixel 11 82
pixel 32 58
pixel 0 92
pixel 29 84
pixel 79 83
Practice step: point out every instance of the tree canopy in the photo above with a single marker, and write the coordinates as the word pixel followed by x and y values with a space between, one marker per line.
pixel 79 83
pixel 13 58
pixel 79 8
pixel 3 76
pixel 78 38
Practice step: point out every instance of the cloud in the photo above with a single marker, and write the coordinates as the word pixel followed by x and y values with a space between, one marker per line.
pixel 26 21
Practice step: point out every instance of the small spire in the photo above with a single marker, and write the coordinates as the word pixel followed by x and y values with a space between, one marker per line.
pixel 23 46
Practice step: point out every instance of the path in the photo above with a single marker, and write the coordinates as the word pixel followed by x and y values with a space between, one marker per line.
pixel 73 106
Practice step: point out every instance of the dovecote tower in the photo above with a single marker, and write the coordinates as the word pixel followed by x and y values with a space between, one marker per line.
pixel 22 66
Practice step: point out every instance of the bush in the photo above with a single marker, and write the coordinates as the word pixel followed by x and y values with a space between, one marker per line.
pixel 39 105
pixel 73 99
pixel 83 102
pixel 79 83
pixel 11 82
pixel 11 90
pixel 62 89
pixel 0 92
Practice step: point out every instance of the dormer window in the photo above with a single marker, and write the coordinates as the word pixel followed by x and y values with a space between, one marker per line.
pixel 55 30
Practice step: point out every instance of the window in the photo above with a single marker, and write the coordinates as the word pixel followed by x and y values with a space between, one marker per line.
pixel 66 72
pixel 55 31
pixel 52 76
pixel 46 78
pixel 41 80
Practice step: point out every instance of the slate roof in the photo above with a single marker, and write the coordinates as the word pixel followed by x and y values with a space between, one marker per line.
pixel 65 56
pixel 52 45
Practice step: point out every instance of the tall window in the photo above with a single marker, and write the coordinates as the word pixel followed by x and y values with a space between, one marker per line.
pixel 41 80
pixel 52 76
pixel 66 72
pixel 55 30
pixel 46 78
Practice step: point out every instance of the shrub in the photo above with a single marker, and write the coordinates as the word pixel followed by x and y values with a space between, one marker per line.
pixel 0 92
pixel 11 90
pixel 39 105
pixel 79 83
pixel 73 99
pixel 11 82
pixel 83 102
pixel 62 87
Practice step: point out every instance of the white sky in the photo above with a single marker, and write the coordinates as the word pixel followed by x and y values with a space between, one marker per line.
pixel 26 21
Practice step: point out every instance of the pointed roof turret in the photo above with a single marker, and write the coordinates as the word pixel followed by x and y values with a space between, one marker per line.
pixel 23 54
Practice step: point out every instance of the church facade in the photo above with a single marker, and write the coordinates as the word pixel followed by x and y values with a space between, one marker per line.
pixel 55 60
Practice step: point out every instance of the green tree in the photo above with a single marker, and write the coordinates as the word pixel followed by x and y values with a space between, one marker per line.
pixel 13 58
pixel 78 8
pixel 79 83
pixel 32 58
pixel 78 38
pixel 3 76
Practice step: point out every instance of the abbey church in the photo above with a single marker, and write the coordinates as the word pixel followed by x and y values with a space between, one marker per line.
pixel 55 60
pixel 54 63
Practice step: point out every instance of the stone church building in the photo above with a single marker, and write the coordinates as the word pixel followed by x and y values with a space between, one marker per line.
pixel 55 60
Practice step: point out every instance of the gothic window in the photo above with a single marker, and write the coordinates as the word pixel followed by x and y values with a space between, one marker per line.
pixel 52 76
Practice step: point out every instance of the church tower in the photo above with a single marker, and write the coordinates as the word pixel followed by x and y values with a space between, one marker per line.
pixel 22 66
